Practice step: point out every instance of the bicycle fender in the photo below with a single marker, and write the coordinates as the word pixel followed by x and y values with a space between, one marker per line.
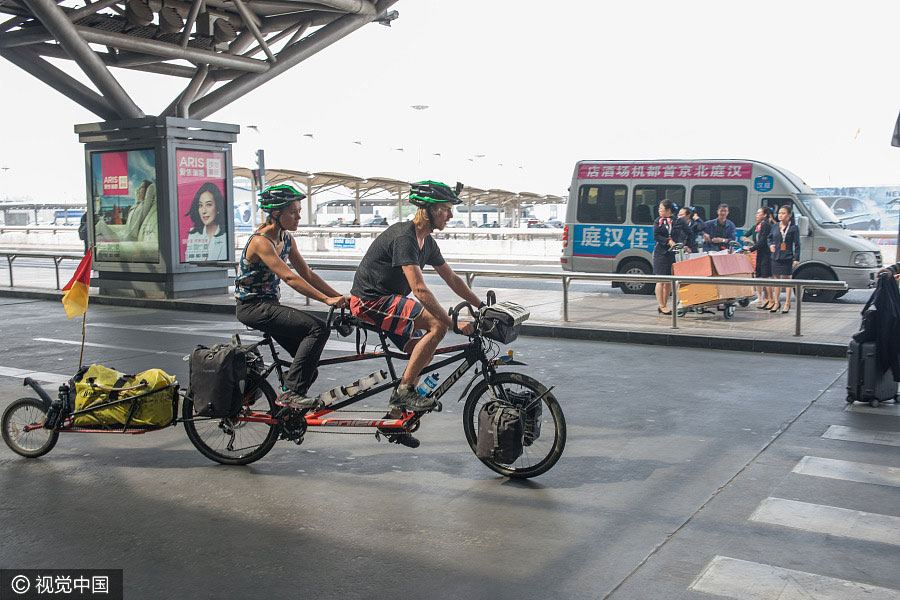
pixel 468 385
pixel 45 398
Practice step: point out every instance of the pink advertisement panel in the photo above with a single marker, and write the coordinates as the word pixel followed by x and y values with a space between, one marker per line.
pixel 114 168
pixel 666 171
pixel 202 210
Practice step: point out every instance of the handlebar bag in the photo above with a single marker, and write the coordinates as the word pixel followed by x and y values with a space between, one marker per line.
pixel 219 376
pixel 501 322
pixel 145 407
pixel 501 432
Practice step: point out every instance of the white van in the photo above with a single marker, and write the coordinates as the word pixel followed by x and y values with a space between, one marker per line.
pixel 612 206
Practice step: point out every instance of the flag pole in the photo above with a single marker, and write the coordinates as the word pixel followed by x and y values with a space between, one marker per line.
pixel 83 323
pixel 81 356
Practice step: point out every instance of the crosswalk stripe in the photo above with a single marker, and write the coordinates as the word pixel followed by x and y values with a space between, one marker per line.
pixel 745 580
pixel 881 409
pixel 867 436
pixel 832 520
pixel 36 375
pixel 848 471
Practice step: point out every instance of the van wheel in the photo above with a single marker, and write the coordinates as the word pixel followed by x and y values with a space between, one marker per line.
pixel 636 266
pixel 819 273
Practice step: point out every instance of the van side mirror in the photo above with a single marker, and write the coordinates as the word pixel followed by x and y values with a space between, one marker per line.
pixel 803 225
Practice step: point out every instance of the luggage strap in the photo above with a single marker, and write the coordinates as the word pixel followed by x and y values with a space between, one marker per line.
pixel 142 384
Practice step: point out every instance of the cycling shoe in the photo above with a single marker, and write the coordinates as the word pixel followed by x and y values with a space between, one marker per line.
pixel 404 439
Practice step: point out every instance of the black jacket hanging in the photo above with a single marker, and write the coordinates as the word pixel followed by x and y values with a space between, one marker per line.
pixel 881 324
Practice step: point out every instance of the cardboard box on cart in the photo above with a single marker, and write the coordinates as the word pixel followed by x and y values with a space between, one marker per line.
pixel 724 265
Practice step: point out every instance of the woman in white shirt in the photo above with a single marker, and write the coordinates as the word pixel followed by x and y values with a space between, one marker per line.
pixel 208 239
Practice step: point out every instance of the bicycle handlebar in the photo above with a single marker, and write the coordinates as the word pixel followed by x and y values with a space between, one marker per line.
pixel 454 315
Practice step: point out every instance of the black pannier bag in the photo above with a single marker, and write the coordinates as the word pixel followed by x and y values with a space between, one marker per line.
pixel 501 322
pixel 532 412
pixel 501 432
pixel 219 377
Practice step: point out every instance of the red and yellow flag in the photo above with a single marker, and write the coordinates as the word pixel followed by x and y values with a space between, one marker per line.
pixel 75 299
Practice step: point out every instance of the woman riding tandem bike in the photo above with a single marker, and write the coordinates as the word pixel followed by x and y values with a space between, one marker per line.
pixel 265 262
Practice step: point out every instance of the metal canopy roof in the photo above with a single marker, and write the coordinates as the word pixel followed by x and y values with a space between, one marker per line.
pixel 236 45
pixel 371 186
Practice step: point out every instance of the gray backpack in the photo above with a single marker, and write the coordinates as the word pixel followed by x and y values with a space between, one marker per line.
pixel 501 432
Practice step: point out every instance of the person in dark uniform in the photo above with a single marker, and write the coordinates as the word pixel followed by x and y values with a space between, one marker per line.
pixel 784 244
pixel 82 231
pixel 692 227
pixel 764 222
pixel 666 233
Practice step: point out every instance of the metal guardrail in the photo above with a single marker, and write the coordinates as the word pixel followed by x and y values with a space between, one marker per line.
pixel 880 234
pixel 798 285
pixel 57 258
pixel 346 231
pixel 38 228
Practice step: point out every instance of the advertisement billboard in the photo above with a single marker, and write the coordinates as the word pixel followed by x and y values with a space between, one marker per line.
pixel 124 207
pixel 202 207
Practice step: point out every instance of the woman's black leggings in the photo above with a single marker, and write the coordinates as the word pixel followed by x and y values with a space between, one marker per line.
pixel 301 334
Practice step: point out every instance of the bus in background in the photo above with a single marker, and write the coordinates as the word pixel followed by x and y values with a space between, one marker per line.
pixel 612 206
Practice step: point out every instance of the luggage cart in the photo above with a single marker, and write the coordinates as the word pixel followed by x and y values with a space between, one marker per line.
pixel 726 304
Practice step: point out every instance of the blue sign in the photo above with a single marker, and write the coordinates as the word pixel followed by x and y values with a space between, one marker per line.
pixel 344 243
pixel 606 241
pixel 763 183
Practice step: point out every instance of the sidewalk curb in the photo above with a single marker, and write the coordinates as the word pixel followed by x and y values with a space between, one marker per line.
pixel 565 332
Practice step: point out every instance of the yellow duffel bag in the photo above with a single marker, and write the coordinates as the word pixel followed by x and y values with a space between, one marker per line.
pixel 97 386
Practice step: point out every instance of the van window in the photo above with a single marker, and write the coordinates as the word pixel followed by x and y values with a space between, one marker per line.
pixel 602 203
pixel 775 204
pixel 707 199
pixel 647 197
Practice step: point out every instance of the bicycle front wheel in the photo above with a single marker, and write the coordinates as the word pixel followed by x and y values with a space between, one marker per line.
pixel 232 441
pixel 23 413
pixel 545 437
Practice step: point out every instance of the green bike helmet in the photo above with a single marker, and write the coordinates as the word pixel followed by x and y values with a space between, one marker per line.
pixel 424 193
pixel 279 196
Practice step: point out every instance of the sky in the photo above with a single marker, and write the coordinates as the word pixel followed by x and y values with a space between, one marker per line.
pixel 518 91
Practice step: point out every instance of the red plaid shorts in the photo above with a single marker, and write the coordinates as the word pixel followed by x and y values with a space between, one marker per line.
pixel 393 314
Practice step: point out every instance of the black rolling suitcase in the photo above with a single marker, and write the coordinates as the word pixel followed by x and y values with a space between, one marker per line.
pixel 866 382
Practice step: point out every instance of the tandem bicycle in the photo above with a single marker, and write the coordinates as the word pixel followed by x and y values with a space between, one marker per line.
pixel 260 423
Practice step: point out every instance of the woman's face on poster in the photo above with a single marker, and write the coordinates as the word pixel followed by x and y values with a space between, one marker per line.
pixel 206 208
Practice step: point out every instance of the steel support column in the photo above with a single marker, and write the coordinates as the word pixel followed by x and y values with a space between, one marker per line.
pixel 190 92
pixel 56 21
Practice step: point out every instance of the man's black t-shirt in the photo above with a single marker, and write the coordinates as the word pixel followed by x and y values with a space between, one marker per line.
pixel 380 272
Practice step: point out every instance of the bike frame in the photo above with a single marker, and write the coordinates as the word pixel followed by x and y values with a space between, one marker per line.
pixel 469 353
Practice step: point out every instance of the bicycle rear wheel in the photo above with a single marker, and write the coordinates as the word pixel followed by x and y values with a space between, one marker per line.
pixel 19 415
pixel 541 451
pixel 231 441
